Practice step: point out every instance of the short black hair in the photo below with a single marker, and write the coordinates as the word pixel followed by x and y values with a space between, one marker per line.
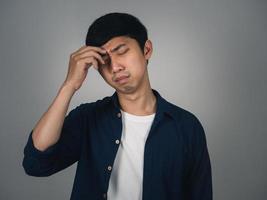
pixel 116 24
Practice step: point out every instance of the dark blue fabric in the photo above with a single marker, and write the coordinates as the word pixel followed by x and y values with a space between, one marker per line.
pixel 176 159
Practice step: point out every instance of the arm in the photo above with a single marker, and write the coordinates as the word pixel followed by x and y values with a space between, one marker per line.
pixel 60 155
pixel 47 131
pixel 199 183
pixel 55 141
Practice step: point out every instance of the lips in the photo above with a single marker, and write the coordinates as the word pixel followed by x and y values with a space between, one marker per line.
pixel 120 78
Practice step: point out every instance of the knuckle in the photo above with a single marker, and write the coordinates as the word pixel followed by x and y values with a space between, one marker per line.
pixel 76 58
pixel 72 55
pixel 95 63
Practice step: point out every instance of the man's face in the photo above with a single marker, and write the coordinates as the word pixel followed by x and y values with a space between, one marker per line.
pixel 126 64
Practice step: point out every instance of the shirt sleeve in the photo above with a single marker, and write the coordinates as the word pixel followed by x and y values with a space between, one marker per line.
pixel 200 176
pixel 60 155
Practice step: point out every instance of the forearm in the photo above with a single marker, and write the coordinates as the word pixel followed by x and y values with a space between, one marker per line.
pixel 47 130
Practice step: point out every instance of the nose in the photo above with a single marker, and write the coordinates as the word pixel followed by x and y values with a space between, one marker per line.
pixel 115 66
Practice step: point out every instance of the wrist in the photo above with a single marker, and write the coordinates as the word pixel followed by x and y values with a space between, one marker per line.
pixel 68 87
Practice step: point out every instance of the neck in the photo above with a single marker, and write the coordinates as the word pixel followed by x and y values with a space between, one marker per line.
pixel 142 102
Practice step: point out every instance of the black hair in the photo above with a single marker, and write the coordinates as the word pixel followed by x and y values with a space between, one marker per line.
pixel 116 24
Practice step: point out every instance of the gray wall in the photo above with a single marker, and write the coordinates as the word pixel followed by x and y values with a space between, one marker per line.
pixel 209 57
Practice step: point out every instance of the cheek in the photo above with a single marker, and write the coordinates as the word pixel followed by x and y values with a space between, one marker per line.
pixel 135 60
pixel 137 64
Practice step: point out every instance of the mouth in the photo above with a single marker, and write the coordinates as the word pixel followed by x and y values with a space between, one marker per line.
pixel 121 79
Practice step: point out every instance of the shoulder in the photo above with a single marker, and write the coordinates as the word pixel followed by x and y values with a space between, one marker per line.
pixel 94 106
pixel 187 123
pixel 183 116
pixel 189 128
pixel 180 115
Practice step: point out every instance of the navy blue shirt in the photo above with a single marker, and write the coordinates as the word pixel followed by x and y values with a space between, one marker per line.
pixel 176 159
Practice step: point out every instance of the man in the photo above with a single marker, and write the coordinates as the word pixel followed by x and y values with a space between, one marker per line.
pixel 132 145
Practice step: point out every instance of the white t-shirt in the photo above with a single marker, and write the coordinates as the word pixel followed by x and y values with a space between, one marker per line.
pixel 126 180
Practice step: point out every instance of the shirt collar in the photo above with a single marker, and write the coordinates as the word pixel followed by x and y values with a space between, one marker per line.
pixel 163 107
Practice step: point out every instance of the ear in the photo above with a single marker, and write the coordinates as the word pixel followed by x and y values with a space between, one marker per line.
pixel 148 49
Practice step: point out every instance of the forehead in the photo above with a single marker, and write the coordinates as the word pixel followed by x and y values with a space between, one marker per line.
pixel 114 42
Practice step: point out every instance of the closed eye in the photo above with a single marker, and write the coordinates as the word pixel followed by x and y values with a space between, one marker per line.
pixel 122 51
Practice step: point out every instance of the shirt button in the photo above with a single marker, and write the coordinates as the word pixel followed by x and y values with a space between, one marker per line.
pixel 104 195
pixel 117 142
pixel 109 168
pixel 118 114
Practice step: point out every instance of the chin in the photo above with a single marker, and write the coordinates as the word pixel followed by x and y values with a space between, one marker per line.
pixel 125 89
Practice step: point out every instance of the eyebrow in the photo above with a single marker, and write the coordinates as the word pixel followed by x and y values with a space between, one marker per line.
pixel 117 47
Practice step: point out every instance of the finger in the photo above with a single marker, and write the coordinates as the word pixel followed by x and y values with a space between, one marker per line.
pixel 95 64
pixel 90 61
pixel 80 49
pixel 90 54
pixel 90 48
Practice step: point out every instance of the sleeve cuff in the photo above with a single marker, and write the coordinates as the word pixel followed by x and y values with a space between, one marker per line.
pixel 32 151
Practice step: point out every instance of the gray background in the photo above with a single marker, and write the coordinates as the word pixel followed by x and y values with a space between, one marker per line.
pixel 209 57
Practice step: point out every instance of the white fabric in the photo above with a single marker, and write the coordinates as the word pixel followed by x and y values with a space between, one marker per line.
pixel 126 179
